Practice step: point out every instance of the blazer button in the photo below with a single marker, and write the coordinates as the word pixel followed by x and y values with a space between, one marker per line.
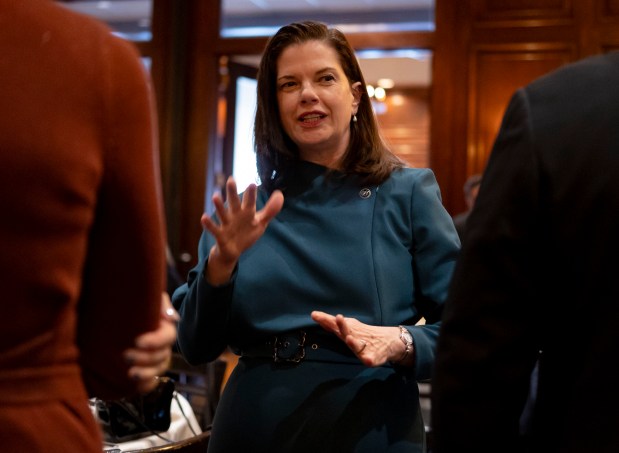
pixel 365 193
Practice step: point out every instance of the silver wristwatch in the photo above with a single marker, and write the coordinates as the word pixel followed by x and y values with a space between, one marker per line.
pixel 407 339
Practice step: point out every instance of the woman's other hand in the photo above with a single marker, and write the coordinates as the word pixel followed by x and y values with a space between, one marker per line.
pixel 239 227
pixel 374 345
pixel 153 350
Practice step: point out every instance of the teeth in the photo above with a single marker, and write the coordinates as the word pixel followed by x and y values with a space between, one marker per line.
pixel 311 117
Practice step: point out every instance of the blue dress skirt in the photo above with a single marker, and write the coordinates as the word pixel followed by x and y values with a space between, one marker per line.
pixel 317 407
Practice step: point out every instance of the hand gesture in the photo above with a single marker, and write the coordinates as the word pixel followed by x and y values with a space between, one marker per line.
pixel 240 226
pixel 374 345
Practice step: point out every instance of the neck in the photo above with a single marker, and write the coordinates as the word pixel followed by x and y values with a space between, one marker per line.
pixel 329 159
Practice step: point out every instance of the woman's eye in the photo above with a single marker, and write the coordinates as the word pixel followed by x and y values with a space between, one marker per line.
pixel 328 78
pixel 289 84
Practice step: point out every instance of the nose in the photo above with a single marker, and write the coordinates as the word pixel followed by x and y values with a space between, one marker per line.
pixel 308 94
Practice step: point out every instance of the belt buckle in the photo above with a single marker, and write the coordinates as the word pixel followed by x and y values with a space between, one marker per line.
pixel 289 348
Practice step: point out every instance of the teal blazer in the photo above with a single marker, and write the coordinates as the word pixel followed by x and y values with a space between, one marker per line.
pixel 386 260
pixel 382 254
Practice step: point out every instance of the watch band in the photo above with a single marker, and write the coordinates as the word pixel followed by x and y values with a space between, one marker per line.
pixel 407 339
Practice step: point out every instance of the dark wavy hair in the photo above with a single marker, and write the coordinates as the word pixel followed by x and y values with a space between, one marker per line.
pixel 367 154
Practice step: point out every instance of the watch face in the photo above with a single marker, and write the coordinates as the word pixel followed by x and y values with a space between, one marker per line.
pixel 406 336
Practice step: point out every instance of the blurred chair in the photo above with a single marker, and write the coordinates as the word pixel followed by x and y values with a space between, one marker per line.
pixel 201 385
pixel 196 444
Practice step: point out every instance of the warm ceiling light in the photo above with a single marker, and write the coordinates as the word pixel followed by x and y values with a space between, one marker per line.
pixel 386 83
pixel 380 94
pixel 397 99
pixel 370 90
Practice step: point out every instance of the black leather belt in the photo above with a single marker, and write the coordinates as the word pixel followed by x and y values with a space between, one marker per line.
pixel 291 348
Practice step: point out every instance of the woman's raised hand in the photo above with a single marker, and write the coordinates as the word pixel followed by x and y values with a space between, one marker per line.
pixel 239 227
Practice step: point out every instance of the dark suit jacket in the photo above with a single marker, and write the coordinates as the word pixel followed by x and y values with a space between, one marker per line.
pixel 81 230
pixel 539 271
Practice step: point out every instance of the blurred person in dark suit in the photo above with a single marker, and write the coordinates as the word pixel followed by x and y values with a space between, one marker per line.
pixel 538 277
pixel 79 188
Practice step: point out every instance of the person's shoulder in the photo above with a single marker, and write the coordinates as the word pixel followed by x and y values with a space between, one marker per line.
pixel 85 34
pixel 405 182
pixel 585 91
pixel 593 65
pixel 408 173
pixel 61 21
pixel 411 176
pixel 598 71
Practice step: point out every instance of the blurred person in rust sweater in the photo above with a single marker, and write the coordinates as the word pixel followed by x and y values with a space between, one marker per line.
pixel 82 260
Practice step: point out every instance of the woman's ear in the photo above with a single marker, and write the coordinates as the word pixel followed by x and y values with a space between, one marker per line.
pixel 356 92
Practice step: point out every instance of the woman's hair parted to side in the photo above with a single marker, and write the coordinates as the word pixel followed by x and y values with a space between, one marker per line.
pixel 276 153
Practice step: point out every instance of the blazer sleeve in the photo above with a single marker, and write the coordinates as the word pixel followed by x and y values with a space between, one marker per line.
pixel 204 311
pixel 486 349
pixel 124 272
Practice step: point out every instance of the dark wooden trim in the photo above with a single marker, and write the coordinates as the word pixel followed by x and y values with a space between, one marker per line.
pixel 392 40
pixel 382 40
pixel 164 56
pixel 200 100
pixel 449 101
pixel 240 46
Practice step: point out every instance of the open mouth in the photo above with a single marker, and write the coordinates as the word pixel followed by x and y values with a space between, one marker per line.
pixel 311 118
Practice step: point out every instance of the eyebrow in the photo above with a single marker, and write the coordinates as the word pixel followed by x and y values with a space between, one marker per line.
pixel 320 71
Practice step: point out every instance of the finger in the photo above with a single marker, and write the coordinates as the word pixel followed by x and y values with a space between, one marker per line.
pixel 320 315
pixel 168 313
pixel 272 207
pixel 232 195
pixel 209 225
pixel 158 358
pixel 356 345
pixel 249 197
pixel 213 228
pixel 342 325
pixel 326 321
pixel 220 209
pixel 163 337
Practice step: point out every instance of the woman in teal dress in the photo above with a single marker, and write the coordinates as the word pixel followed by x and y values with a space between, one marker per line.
pixel 318 277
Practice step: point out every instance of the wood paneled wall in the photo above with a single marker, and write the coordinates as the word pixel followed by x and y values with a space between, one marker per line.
pixel 484 51
pixel 404 121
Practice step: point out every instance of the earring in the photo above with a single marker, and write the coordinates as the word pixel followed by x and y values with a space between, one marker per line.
pixel 354 118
